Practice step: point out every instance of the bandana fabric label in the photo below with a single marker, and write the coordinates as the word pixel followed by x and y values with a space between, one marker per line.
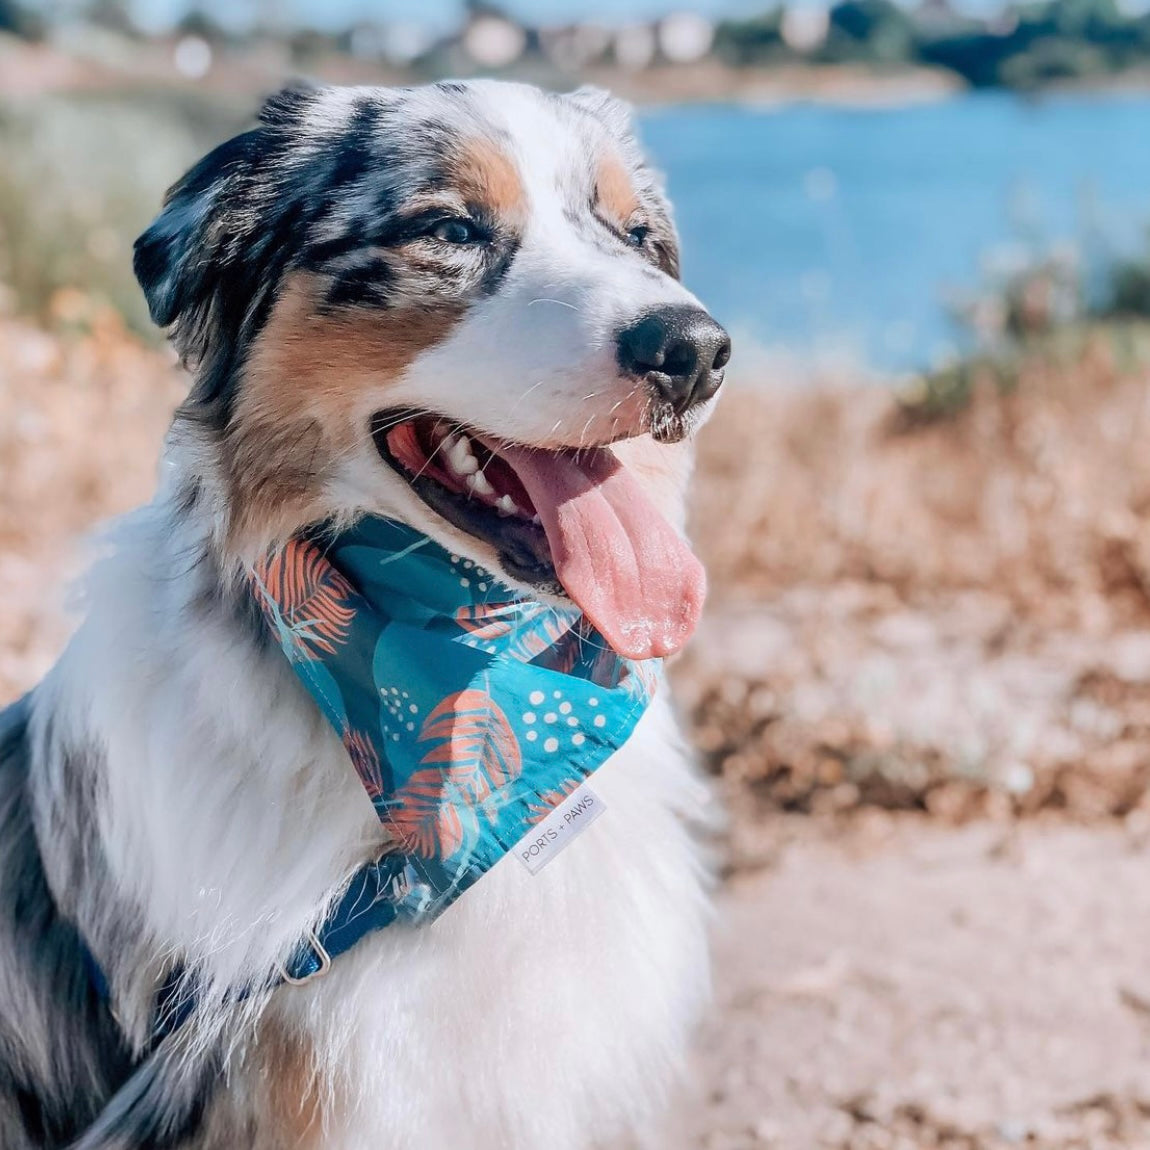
pixel 469 714
pixel 560 828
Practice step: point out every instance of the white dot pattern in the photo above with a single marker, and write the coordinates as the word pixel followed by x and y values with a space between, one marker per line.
pixel 552 730
pixel 399 713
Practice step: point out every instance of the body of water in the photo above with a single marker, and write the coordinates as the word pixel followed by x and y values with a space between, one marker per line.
pixel 828 231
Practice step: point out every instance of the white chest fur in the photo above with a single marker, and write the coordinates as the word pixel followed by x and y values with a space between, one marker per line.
pixel 546 1010
pixel 539 1011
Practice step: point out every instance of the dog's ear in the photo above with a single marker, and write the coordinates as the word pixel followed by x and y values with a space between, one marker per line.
pixel 211 262
pixel 202 240
pixel 290 104
pixel 617 114
pixel 173 257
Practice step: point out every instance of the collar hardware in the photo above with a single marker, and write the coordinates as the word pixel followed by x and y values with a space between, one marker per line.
pixel 319 962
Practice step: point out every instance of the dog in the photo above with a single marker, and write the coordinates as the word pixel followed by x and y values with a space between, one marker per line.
pixel 374 290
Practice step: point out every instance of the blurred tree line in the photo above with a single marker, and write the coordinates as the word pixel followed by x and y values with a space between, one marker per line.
pixel 1024 46
pixel 18 20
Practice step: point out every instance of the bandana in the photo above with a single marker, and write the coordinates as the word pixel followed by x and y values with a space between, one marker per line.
pixel 468 712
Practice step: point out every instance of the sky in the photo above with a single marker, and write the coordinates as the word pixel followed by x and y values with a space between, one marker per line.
pixel 441 14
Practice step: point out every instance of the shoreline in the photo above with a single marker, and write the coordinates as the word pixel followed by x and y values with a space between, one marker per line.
pixel 32 70
pixel 843 85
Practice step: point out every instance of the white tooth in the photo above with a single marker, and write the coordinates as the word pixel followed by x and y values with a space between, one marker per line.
pixel 459 455
pixel 479 484
pixel 507 505
pixel 536 520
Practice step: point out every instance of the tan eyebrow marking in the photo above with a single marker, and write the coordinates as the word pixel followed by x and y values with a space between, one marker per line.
pixel 487 174
pixel 302 404
pixel 614 193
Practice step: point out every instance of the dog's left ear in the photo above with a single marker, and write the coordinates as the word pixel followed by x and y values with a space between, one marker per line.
pixel 617 114
pixel 174 257
pixel 211 263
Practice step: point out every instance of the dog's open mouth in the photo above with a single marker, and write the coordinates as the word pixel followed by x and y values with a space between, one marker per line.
pixel 567 522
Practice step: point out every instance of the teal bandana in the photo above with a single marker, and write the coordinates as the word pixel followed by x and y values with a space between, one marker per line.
pixel 468 712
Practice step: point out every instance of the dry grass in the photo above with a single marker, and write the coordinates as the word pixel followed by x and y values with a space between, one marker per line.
pixel 81 177
pixel 82 415
pixel 952 614
pixel 1040 495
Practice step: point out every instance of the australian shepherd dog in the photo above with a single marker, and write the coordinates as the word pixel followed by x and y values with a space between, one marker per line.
pixel 363 276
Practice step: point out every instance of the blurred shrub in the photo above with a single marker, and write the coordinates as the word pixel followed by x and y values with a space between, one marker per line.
pixel 1131 290
pixel 942 394
pixel 1023 46
pixel 81 179
pixel 1040 43
pixel 1128 289
pixel 1051 60
pixel 878 31
pixel 758 40
pixel 18 20
pixel 1042 309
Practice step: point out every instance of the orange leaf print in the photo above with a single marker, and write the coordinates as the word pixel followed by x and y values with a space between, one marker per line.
pixel 423 817
pixel 307 600
pixel 487 621
pixel 472 738
pixel 365 759
pixel 529 628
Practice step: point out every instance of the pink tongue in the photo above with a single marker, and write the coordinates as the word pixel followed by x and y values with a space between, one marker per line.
pixel 629 570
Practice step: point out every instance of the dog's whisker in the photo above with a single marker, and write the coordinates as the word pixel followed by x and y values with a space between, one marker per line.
pixel 391 425
pixel 459 428
pixel 548 299
pixel 516 405
pixel 586 428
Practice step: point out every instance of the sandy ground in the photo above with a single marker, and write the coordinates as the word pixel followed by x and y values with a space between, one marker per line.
pixel 890 983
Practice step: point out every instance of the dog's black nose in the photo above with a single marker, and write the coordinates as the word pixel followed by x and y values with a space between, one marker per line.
pixel 680 350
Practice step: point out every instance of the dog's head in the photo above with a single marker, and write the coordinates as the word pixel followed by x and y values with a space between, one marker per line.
pixel 444 305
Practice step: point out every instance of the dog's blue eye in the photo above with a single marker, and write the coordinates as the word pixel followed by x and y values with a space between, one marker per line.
pixel 455 231
pixel 637 237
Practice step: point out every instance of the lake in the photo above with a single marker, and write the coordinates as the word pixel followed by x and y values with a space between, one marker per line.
pixel 837 232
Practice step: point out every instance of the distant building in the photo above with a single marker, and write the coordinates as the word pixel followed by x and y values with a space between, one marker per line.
pixel 494 41
pixel 685 37
pixel 635 46
pixel 573 47
pixel 804 29
pixel 398 42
